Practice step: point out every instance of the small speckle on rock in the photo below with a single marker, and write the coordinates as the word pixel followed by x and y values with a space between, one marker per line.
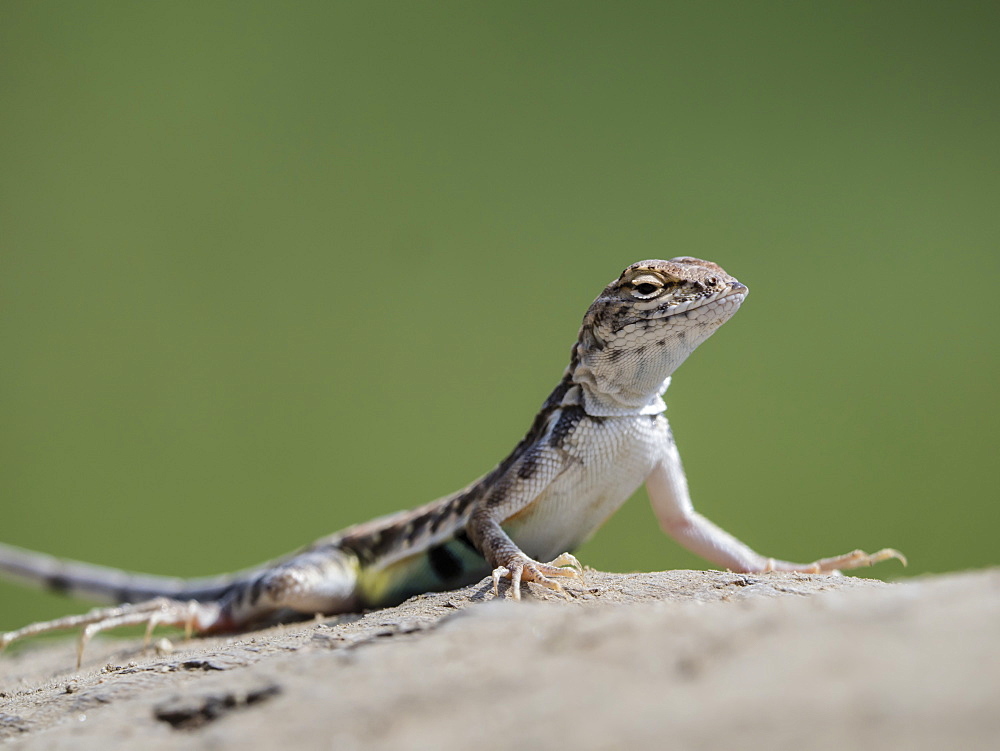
pixel 203 665
pixel 191 712
pixel 12 722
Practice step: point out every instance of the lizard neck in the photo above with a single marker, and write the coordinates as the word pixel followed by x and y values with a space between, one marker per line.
pixel 618 381
pixel 621 404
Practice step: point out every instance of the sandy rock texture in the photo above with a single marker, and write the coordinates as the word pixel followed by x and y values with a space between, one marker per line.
pixel 679 659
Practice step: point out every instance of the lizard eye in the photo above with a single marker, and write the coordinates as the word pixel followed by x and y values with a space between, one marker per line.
pixel 644 289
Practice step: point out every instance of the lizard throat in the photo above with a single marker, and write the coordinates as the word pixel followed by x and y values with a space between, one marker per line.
pixel 630 370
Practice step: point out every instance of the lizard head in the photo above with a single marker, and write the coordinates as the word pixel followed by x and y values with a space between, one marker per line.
pixel 645 324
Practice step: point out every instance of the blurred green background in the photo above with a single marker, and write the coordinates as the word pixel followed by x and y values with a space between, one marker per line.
pixel 269 269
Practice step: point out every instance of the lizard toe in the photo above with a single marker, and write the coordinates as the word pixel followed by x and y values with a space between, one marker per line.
pixel 522 568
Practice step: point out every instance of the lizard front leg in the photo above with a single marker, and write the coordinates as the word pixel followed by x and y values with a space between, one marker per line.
pixel 510 562
pixel 668 493
pixel 510 491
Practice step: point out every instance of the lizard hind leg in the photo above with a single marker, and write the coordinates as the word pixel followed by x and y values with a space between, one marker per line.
pixel 189 615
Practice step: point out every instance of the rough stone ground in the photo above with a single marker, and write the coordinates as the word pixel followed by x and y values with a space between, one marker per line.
pixel 679 660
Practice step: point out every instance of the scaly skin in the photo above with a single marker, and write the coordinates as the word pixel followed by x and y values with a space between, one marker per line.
pixel 599 435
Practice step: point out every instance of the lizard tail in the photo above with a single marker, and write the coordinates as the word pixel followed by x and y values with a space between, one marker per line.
pixel 103 584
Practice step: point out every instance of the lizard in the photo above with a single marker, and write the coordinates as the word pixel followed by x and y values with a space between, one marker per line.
pixel 599 435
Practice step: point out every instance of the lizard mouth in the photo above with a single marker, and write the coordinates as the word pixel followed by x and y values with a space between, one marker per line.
pixel 734 290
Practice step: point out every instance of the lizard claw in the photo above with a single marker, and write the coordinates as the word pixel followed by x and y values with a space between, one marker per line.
pixel 568 560
pixel 498 573
pixel 522 568
pixel 856 559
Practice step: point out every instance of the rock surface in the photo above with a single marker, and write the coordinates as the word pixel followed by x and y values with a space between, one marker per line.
pixel 679 659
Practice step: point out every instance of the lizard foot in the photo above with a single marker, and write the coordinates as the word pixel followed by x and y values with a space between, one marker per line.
pixel 160 611
pixel 854 559
pixel 522 568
